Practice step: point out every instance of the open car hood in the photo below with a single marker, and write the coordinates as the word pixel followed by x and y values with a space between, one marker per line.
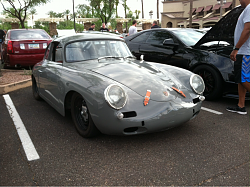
pixel 224 29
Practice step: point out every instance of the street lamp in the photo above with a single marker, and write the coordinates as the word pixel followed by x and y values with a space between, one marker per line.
pixel 74 15
pixel 221 2
pixel 151 14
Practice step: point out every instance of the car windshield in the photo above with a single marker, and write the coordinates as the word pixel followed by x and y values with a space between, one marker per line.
pixel 88 50
pixel 29 34
pixel 188 36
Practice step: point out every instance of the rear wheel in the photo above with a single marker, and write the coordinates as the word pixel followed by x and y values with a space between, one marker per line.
pixel 81 117
pixel 35 90
pixel 212 80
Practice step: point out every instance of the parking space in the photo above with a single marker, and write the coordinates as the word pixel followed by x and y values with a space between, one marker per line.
pixel 212 149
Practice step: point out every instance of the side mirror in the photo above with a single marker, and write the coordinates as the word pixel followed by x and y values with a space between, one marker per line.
pixel 170 42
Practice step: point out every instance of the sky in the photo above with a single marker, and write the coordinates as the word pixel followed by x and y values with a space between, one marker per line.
pixel 62 5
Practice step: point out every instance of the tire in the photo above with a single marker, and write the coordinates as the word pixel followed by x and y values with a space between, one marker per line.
pixel 35 90
pixel 82 118
pixel 213 81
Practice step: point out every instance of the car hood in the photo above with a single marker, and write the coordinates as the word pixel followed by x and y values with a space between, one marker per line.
pixel 224 29
pixel 140 77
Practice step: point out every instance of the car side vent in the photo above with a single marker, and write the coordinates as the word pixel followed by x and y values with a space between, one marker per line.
pixel 196 100
pixel 129 114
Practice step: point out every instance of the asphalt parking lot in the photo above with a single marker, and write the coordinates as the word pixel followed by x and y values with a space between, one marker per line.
pixel 210 150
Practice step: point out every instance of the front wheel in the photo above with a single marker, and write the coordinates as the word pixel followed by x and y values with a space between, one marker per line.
pixel 212 80
pixel 82 118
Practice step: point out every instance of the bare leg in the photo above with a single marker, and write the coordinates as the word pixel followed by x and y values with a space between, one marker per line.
pixel 242 94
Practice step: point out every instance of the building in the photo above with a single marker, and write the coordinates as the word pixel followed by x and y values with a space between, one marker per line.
pixel 205 13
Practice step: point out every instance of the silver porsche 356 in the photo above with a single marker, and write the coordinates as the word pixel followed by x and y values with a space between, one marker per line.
pixel 96 78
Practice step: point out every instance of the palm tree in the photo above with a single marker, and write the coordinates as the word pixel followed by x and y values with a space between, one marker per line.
pixel 116 5
pixel 52 14
pixel 137 13
pixel 32 12
pixel 142 9
pixel 190 13
pixel 157 11
pixel 67 12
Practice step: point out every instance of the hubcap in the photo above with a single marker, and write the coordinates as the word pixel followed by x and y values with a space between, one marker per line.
pixel 81 113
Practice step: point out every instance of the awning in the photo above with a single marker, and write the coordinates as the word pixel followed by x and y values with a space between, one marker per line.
pixel 227 5
pixel 170 15
pixel 192 10
pixel 208 15
pixel 213 18
pixel 199 9
pixel 216 7
pixel 208 8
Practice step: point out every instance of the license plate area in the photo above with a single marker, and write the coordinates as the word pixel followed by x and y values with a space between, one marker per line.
pixel 33 46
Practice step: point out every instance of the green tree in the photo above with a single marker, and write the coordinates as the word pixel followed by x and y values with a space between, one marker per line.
pixel 116 5
pixel 137 13
pixel 5 26
pixel 52 14
pixel 125 10
pixel 32 12
pixel 23 7
pixel 67 13
pixel 104 9
pixel 84 11
pixel 42 25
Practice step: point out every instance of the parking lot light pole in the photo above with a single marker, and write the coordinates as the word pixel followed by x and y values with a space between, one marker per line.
pixel 74 15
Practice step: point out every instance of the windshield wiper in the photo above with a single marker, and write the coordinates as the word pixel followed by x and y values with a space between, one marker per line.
pixel 115 57
pixel 129 57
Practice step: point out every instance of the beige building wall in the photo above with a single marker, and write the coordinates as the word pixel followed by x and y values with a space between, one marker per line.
pixel 176 13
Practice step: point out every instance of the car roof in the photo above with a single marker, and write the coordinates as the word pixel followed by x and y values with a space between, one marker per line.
pixel 87 36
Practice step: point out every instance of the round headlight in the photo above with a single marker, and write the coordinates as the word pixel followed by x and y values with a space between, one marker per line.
pixel 115 96
pixel 197 84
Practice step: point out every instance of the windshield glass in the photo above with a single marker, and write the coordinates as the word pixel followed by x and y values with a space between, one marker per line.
pixel 88 50
pixel 29 34
pixel 188 36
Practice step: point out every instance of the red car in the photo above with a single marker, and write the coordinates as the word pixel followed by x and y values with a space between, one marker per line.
pixel 24 47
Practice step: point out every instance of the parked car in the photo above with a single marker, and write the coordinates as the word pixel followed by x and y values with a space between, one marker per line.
pixel 206 54
pixel 107 90
pixel 24 47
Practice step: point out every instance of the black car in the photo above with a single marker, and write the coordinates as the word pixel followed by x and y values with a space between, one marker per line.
pixel 206 54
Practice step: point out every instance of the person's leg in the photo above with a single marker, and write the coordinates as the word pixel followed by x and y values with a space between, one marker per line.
pixel 242 87
pixel 242 94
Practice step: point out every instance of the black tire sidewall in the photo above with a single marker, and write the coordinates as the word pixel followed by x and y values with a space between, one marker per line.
pixel 218 84
pixel 91 130
pixel 35 90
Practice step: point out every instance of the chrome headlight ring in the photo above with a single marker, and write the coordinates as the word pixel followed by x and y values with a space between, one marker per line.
pixel 197 83
pixel 115 96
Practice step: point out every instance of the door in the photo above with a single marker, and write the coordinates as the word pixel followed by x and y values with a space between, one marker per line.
pixel 155 50
pixel 50 74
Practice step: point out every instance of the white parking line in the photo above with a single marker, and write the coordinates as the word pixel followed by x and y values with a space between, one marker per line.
pixel 28 146
pixel 212 111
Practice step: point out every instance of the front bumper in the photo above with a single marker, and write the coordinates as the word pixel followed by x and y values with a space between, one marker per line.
pixel 159 116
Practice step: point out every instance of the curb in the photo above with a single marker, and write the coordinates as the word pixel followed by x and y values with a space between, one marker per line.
pixel 15 86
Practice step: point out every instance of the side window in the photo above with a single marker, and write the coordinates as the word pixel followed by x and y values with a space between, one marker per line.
pixel 56 52
pixel 47 52
pixel 141 38
pixel 157 37
pixel 58 55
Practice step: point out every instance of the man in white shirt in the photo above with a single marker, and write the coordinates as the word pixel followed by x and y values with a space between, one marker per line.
pixel 241 57
pixel 132 29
